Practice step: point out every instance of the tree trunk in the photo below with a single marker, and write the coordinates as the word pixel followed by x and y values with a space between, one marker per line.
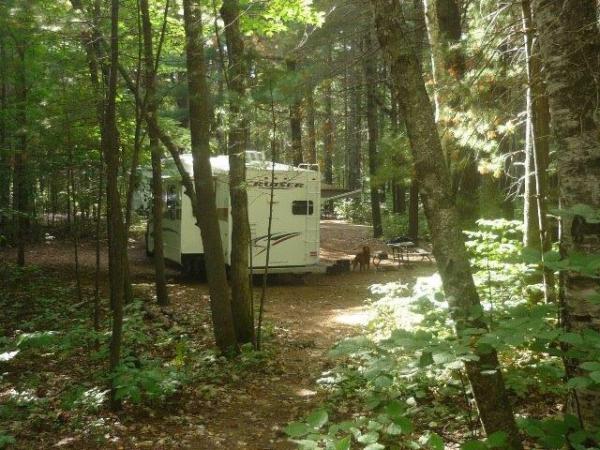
pixel 20 176
pixel 74 225
pixel 4 151
pixel 448 243
pixel 328 129
pixel 206 208
pixel 116 235
pixel 239 276
pixel 150 105
pixel 399 197
pixel 536 138
pixel 354 139
pixel 537 150
pixel 413 209
pixel 295 118
pixel 97 309
pixel 570 44
pixel 91 47
pixel 371 82
pixel 531 232
pixel 468 184
pixel 132 184
pixel 437 54
pixel 310 125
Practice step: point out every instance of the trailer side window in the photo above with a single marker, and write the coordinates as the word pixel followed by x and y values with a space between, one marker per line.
pixel 303 208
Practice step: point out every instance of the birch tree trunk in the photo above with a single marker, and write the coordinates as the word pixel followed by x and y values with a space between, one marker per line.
pixel 206 208
pixel 537 150
pixel 570 45
pixel 449 250
pixel 241 295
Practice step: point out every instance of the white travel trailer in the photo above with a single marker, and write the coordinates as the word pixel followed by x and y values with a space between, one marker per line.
pixel 295 234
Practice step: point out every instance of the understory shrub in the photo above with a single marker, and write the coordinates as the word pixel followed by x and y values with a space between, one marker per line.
pixel 402 384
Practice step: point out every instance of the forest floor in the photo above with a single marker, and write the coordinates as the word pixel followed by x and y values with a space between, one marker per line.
pixel 240 405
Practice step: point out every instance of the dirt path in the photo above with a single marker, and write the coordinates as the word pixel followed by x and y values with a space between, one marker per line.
pixel 303 320
pixel 307 318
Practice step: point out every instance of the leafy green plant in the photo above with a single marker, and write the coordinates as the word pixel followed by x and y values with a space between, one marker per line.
pixel 354 210
pixel 370 433
pixel 558 433
pixel 145 384
pixel 411 358
pixel 6 439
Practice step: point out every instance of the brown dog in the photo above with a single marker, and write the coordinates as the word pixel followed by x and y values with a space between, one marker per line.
pixel 362 259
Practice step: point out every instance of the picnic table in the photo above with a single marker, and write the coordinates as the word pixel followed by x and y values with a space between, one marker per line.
pixel 399 251
pixel 402 251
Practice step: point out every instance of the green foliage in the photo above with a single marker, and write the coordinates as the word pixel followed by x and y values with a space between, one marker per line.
pixel 6 439
pixel 354 210
pixel 370 433
pixel 146 383
pixel 38 339
pixel 395 161
pixel 276 16
pixel 557 433
pixel 397 224
pixel 408 366
pixel 590 214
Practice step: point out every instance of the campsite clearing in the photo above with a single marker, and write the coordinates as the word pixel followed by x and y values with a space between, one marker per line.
pixel 247 408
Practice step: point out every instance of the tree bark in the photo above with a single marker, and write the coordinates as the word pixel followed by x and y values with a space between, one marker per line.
pixel 206 208
pixel 413 209
pixel 328 128
pixel 20 176
pixel 449 250
pixel 239 276
pixel 570 45
pixel 310 125
pixel 5 175
pixel 354 141
pixel 399 197
pixel 116 236
pixel 537 150
pixel 92 47
pixel 371 82
pixel 295 118
pixel 537 139
pixel 150 105
pixel 96 313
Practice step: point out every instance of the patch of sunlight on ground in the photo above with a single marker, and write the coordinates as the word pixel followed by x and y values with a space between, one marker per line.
pixel 354 316
pixel 305 393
